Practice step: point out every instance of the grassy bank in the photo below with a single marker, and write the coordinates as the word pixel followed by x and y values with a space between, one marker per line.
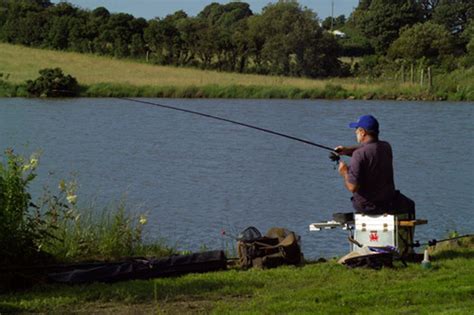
pixel 317 288
pixel 104 76
pixel 65 232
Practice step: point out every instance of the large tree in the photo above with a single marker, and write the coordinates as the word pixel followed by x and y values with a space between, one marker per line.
pixel 163 38
pixel 223 26
pixel 295 44
pixel 60 20
pixel 428 40
pixel 454 14
pixel 381 20
pixel 24 21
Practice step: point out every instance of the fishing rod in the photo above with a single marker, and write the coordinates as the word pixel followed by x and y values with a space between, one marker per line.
pixel 433 242
pixel 333 155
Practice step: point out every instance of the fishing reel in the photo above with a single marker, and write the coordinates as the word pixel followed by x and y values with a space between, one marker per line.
pixel 333 156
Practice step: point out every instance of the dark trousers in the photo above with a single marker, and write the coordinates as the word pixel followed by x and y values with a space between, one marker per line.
pixel 400 204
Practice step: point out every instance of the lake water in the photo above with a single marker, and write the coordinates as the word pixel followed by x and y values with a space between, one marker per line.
pixel 195 176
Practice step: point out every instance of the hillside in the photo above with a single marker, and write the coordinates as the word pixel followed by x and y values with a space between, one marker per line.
pixel 105 76
pixel 22 63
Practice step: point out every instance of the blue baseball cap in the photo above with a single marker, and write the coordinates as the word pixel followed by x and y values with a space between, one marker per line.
pixel 368 122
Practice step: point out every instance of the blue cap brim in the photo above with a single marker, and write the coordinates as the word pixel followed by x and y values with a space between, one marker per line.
pixel 354 125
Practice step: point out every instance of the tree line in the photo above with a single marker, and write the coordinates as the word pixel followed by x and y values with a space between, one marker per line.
pixel 436 33
pixel 284 39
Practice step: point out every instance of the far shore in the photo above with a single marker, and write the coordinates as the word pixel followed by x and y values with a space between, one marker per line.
pixel 328 92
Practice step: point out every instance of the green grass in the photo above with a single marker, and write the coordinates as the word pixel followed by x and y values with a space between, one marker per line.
pixel 456 86
pixel 317 288
pixel 215 91
pixel 106 76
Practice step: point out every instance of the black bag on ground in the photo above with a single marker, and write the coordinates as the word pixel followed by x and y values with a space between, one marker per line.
pixel 278 247
pixel 143 268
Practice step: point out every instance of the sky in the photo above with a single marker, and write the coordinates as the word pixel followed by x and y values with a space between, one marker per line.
pixel 149 9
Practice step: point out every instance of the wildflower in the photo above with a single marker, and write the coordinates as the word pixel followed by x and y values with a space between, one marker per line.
pixel 34 162
pixel 72 199
pixel 62 185
pixel 26 167
pixel 143 220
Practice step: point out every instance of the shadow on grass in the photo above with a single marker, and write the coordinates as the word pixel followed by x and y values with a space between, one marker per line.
pixel 194 287
pixel 203 286
pixel 6 308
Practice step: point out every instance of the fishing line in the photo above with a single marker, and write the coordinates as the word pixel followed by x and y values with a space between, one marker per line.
pixel 231 121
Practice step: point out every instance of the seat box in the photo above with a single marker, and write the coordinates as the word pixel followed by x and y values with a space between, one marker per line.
pixel 375 230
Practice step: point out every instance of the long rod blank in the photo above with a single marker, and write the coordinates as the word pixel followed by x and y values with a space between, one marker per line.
pixel 231 121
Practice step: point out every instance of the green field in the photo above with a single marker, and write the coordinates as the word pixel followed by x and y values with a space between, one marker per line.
pixel 23 63
pixel 105 76
pixel 317 288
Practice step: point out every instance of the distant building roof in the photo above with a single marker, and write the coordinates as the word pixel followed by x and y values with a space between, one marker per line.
pixel 338 33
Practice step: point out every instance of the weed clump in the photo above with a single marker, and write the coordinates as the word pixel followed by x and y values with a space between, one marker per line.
pixel 56 229
pixel 19 229
pixel 52 83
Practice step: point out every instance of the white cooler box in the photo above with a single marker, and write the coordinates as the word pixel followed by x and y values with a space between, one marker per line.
pixel 376 230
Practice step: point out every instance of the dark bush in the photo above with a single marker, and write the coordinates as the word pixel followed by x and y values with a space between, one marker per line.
pixel 52 83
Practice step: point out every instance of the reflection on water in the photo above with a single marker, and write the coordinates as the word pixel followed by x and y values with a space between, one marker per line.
pixel 196 176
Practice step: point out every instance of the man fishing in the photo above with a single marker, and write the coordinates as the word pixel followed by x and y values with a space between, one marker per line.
pixel 370 174
pixel 370 178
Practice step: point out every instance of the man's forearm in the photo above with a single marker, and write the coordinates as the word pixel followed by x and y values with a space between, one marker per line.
pixel 345 175
pixel 351 187
pixel 342 150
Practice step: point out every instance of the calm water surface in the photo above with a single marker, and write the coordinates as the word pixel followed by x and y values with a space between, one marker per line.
pixel 195 176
